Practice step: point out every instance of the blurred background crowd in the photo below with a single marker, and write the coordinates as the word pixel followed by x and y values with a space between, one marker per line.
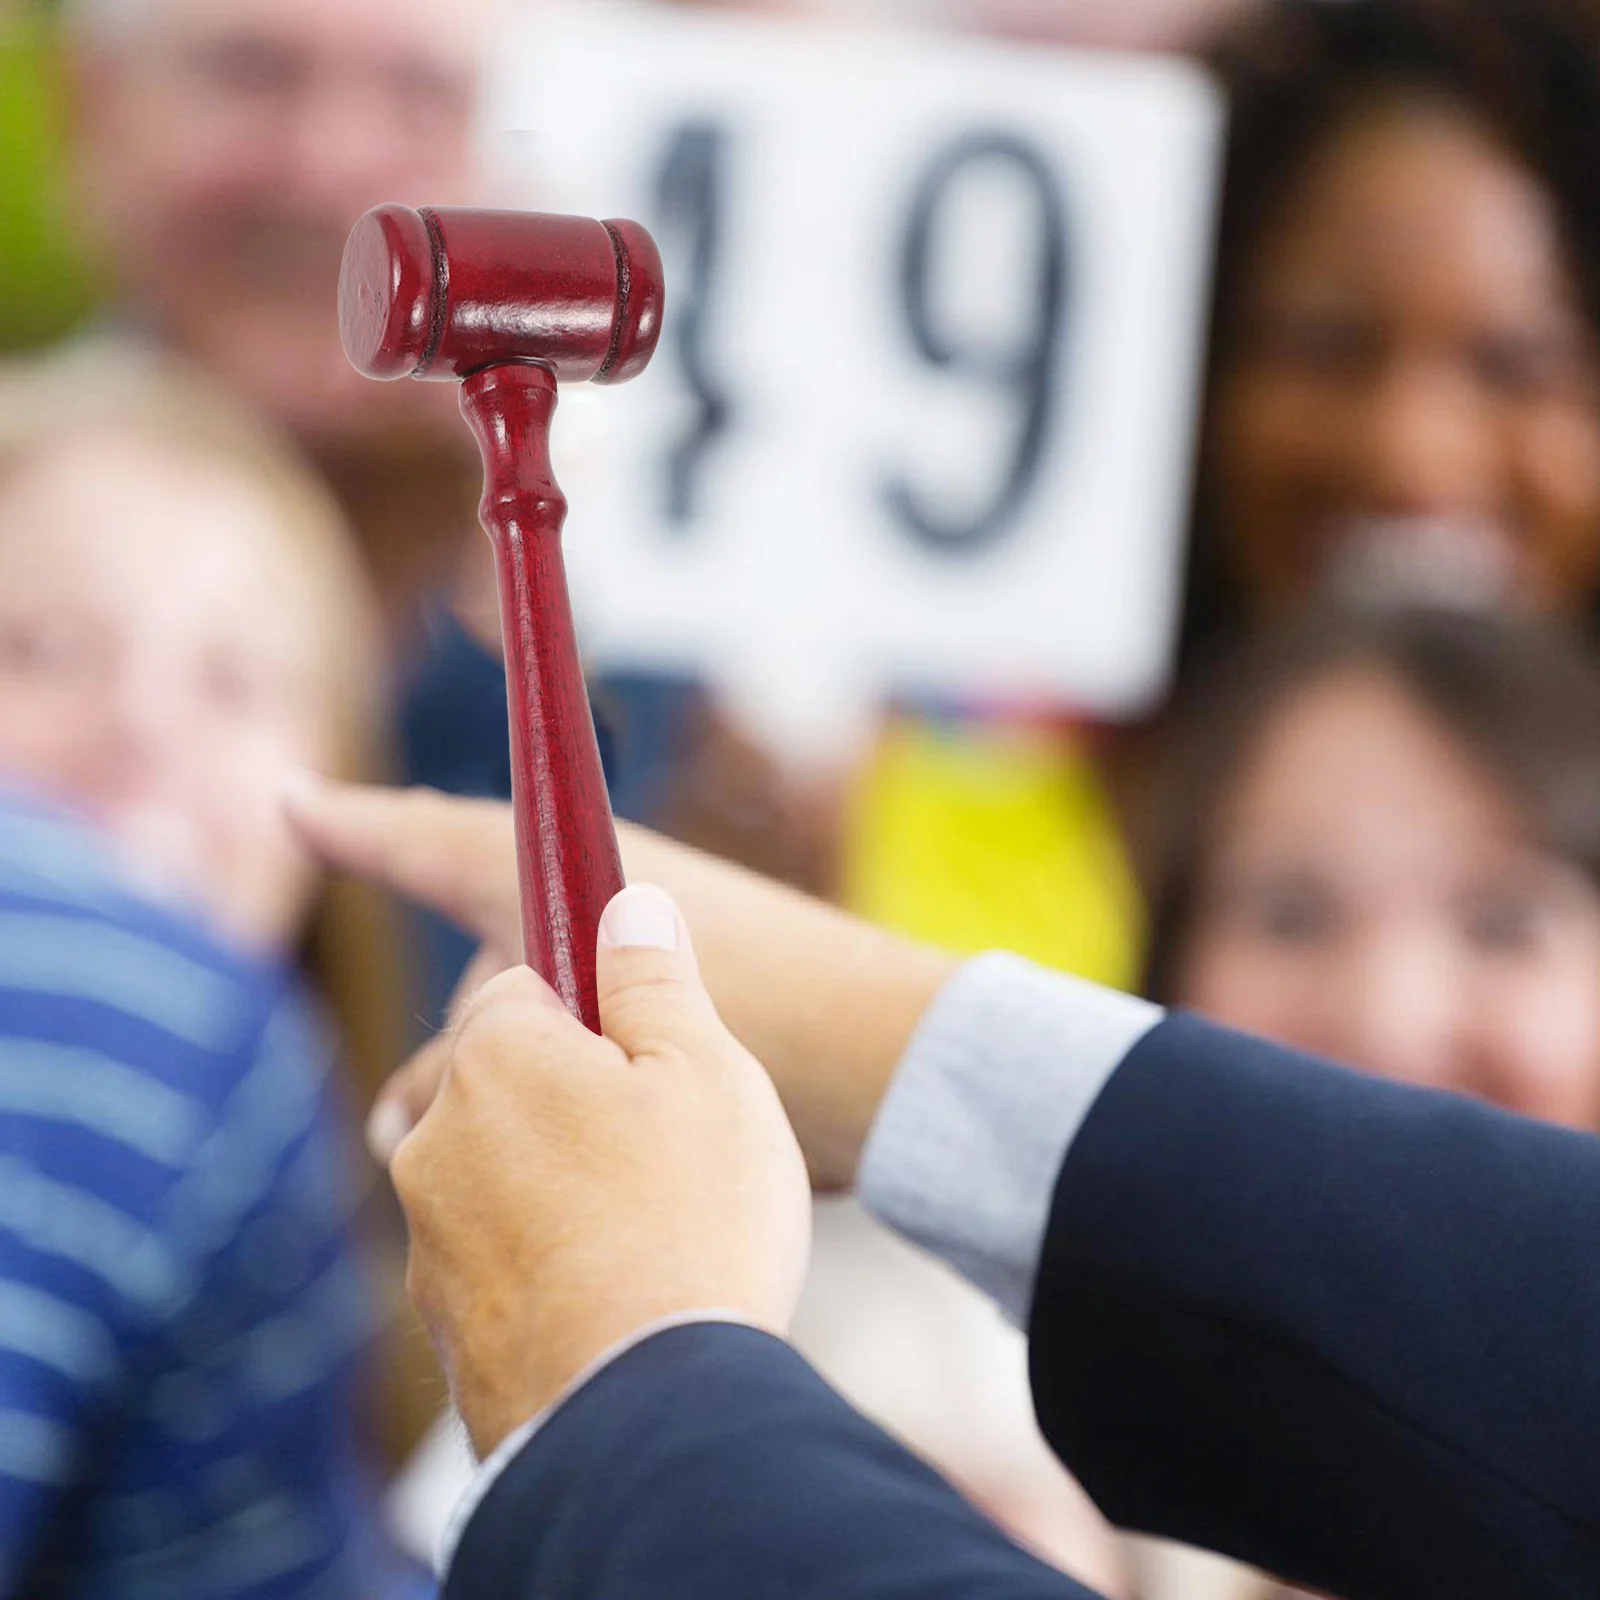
pixel 1366 820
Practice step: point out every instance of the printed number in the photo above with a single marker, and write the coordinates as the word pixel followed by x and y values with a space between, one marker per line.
pixel 1027 373
pixel 689 200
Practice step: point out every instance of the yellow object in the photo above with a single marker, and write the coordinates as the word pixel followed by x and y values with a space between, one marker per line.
pixel 977 836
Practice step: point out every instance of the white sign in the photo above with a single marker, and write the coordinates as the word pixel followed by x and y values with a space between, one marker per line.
pixel 922 413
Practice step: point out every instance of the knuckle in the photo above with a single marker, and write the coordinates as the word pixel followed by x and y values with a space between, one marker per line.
pixel 638 966
pixel 662 1024
pixel 487 1036
pixel 638 987
pixel 510 1019
pixel 417 1082
pixel 418 1068
pixel 408 1172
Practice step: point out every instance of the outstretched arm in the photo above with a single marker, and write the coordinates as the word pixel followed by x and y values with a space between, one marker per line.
pixel 1334 1326
pixel 1339 1328
pixel 824 1000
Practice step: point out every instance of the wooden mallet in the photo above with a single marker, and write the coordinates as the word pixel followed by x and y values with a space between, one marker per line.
pixel 508 302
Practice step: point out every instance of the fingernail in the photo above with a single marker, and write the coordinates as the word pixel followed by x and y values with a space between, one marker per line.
pixel 642 917
pixel 386 1127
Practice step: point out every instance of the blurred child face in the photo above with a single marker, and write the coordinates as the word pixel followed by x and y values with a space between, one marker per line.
pixel 1369 896
pixel 1412 400
pixel 158 672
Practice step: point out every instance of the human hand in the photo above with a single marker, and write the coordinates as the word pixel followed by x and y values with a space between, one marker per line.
pixel 824 1001
pixel 565 1190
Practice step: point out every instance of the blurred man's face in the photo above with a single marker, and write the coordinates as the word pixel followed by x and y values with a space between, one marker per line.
pixel 226 148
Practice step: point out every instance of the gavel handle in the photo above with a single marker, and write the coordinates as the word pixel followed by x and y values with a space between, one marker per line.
pixel 567 862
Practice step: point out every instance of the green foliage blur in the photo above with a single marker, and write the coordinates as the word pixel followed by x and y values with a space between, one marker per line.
pixel 44 283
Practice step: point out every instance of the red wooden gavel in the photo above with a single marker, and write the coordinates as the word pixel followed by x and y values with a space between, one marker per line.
pixel 508 302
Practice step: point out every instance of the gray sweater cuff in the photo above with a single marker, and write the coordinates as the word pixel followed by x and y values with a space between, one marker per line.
pixel 991 1092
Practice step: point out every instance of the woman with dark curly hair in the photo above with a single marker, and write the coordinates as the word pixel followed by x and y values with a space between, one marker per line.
pixel 1405 378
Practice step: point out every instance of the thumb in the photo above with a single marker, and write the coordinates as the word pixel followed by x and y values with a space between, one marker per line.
pixel 652 1001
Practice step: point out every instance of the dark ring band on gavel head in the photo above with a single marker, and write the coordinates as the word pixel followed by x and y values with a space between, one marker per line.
pixel 443 293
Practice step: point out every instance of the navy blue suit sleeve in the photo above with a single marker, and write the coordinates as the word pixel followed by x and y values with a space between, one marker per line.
pixel 711 1463
pixel 1341 1329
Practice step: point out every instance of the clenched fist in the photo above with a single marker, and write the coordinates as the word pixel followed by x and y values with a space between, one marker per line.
pixel 565 1190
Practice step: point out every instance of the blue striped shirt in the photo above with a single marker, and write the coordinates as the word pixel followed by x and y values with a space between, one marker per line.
pixel 181 1311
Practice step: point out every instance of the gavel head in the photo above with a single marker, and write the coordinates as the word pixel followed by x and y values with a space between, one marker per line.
pixel 444 293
